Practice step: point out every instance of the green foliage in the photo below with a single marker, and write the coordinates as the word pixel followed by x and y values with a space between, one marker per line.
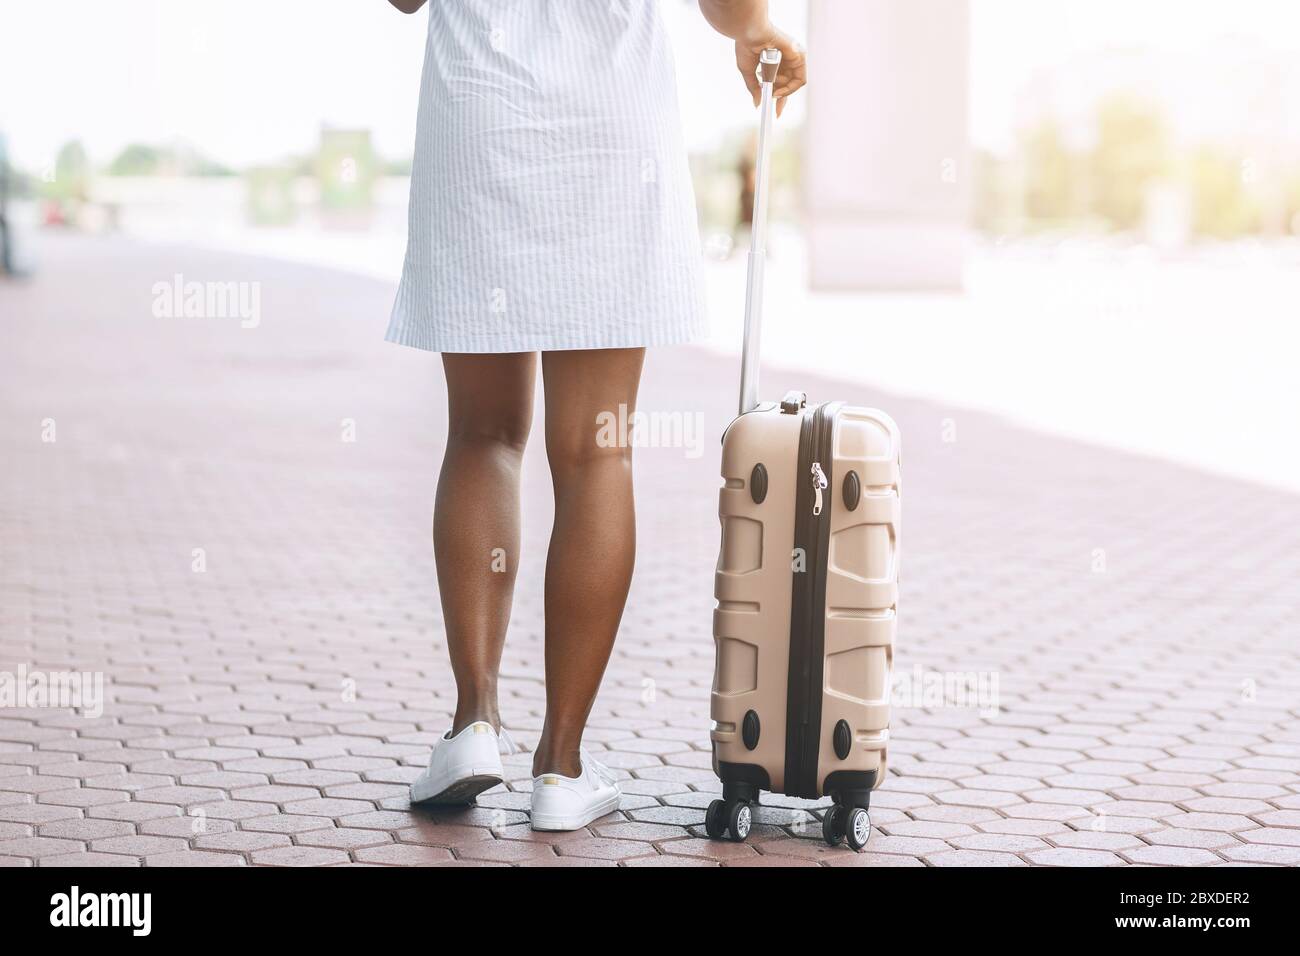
pixel 71 174
pixel 1053 184
pixel 1132 152
pixel 1222 206
pixel 346 167
pixel 996 201
pixel 136 159
pixel 1046 184
pixel 143 159
pixel 270 195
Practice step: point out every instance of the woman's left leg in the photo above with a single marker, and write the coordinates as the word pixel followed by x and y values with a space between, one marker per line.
pixel 593 542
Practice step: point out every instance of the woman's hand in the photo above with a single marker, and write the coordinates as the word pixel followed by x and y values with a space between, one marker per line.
pixel 746 22
pixel 793 72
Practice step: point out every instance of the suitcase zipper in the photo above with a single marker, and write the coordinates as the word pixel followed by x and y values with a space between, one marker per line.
pixel 808 605
pixel 819 485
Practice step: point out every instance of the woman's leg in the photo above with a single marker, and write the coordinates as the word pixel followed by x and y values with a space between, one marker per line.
pixel 476 518
pixel 593 543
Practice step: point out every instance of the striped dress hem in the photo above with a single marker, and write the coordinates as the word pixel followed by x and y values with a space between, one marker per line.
pixel 429 340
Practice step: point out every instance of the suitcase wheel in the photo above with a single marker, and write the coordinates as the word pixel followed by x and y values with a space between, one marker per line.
pixel 715 820
pixel 846 824
pixel 728 818
pixel 739 820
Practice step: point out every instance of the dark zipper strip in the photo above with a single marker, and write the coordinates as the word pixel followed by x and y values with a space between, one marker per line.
pixel 808 606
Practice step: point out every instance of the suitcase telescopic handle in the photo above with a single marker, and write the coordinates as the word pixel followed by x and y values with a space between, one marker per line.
pixel 769 62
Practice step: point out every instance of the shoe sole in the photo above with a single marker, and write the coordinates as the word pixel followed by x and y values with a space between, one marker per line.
pixel 577 822
pixel 458 793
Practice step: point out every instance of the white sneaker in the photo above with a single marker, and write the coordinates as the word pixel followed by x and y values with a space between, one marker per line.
pixel 570 803
pixel 462 767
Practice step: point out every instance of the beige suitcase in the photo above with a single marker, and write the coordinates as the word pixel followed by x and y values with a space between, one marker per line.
pixel 806 588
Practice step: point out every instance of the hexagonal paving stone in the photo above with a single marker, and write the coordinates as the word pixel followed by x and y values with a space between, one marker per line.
pixel 638 831
pixel 1278 835
pixel 241 841
pixel 39 847
pixel 973 858
pixel 1263 853
pixel 603 848
pixel 83 797
pixel 864 858
pixel 328 807
pixel 83 829
pixel 1021 827
pixel 32 813
pixel 997 843
pixel 303 856
pixel 194 858
pixel 995 799
pixel 1062 856
pixel 938 830
pixel 562 861
pixel 1205 839
pixel 89 859
pixel 1088 839
pixel 1225 822
pixel 1170 856
pixel 505 851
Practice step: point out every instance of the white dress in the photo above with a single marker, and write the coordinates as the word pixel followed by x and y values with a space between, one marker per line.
pixel 551 202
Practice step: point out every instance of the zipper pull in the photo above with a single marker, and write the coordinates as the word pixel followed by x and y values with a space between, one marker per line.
pixel 819 485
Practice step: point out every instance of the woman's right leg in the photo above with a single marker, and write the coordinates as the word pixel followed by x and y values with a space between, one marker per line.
pixel 476 518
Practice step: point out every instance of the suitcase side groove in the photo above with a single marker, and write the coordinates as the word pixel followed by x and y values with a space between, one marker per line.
pixel 807 601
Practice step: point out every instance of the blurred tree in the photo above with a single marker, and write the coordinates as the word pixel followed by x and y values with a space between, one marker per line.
pixel 396 167
pixel 1291 200
pixel 997 200
pixel 1132 151
pixel 1222 204
pixel 1054 181
pixel 71 174
pixel 270 195
pixel 136 159
pixel 142 159
pixel 346 167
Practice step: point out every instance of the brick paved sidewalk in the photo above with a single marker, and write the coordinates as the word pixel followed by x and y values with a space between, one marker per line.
pixel 1140 618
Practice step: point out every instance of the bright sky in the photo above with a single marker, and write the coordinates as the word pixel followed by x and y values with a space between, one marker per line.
pixel 253 80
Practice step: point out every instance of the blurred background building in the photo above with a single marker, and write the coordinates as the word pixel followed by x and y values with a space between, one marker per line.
pixel 886 170
pixel 1077 215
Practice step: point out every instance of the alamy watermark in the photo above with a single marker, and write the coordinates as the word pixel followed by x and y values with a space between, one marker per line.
pixel 82 691
pixel 179 299
pixel 939 689
pixel 75 908
pixel 653 429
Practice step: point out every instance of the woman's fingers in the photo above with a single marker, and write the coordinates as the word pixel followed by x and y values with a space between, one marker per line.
pixel 791 76
pixel 747 63
pixel 794 68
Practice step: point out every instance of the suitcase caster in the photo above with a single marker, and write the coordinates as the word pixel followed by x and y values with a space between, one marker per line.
pixel 846 824
pixel 728 818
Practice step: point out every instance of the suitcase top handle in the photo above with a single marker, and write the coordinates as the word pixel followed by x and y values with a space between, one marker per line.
pixel 769 63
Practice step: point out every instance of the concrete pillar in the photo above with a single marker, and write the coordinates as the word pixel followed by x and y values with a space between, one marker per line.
pixel 886 174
